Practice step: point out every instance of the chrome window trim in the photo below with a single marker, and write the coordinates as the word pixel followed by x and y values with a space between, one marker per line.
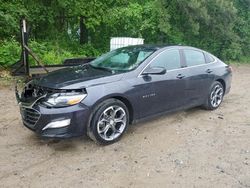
pixel 187 67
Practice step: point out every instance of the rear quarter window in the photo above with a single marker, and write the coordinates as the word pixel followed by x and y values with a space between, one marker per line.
pixel 209 58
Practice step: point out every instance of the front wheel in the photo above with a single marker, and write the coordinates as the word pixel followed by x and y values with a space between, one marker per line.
pixel 109 122
pixel 215 96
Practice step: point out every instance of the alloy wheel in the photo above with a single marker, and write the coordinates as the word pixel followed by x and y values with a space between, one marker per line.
pixel 216 96
pixel 112 123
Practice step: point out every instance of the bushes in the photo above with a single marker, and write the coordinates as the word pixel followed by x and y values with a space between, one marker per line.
pixel 9 52
pixel 55 52
pixel 48 52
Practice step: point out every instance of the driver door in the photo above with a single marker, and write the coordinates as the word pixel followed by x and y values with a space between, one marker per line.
pixel 167 91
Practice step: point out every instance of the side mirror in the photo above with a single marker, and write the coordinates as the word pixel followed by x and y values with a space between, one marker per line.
pixel 154 71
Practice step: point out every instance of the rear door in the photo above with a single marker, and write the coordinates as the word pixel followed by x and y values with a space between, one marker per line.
pixel 200 76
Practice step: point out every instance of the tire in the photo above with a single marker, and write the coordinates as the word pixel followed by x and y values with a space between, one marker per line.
pixel 109 122
pixel 215 96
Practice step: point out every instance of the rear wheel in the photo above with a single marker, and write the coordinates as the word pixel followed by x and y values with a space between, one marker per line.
pixel 215 96
pixel 109 122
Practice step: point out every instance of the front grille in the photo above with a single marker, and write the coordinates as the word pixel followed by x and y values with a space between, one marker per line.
pixel 30 116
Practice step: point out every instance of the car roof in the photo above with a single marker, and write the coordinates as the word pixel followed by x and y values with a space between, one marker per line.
pixel 161 46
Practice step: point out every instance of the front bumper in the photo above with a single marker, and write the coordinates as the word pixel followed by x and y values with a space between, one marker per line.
pixel 78 115
pixel 36 117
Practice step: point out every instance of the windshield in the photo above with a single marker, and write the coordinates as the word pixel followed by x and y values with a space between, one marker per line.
pixel 123 59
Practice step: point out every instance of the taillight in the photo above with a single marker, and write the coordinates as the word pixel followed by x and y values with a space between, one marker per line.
pixel 230 68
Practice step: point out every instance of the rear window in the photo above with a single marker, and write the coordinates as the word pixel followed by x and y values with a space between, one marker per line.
pixel 194 57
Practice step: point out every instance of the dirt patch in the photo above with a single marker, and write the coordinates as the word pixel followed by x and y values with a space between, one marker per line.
pixel 194 148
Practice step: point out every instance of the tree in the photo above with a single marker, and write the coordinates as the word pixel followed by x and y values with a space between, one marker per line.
pixel 208 24
pixel 10 14
pixel 242 26
pixel 219 26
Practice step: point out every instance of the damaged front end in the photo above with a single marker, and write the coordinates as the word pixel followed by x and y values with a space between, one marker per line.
pixel 27 98
pixel 49 112
pixel 30 94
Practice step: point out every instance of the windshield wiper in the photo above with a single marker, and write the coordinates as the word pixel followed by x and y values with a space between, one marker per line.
pixel 102 68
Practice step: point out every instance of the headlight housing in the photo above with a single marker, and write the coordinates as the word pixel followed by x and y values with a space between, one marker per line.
pixel 64 99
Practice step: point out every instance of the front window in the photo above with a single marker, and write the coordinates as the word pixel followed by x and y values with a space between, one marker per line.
pixel 169 59
pixel 123 59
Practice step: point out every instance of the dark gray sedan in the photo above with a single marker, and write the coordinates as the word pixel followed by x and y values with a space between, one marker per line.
pixel 126 85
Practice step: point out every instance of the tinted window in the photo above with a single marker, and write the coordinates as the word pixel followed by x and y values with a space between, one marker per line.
pixel 169 59
pixel 194 57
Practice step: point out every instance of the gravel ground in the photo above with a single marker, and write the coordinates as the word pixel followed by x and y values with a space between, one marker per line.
pixel 193 148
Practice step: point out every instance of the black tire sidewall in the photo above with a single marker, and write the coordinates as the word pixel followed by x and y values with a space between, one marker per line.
pixel 98 111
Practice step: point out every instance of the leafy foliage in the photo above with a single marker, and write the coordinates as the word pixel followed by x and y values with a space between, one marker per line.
pixel 10 14
pixel 219 26
pixel 48 52
pixel 9 52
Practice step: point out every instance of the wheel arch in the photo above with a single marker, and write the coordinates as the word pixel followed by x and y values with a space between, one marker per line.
pixel 128 105
pixel 223 83
pixel 123 99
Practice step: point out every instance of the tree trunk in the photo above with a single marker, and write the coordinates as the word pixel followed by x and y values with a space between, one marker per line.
pixel 83 31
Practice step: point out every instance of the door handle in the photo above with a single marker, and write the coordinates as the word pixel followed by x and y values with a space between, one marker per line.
pixel 209 71
pixel 180 76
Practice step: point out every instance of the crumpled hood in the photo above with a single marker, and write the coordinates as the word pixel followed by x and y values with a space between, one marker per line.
pixel 76 78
